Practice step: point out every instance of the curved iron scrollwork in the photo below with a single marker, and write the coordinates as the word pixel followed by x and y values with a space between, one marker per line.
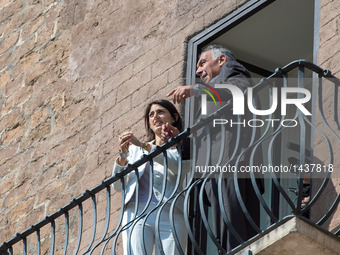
pixel 106 238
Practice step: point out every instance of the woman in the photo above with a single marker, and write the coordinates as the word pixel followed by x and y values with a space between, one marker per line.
pixel 162 121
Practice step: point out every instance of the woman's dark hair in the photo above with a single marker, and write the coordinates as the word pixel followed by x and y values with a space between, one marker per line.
pixel 173 111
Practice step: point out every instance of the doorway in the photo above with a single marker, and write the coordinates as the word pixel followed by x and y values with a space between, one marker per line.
pixel 263 35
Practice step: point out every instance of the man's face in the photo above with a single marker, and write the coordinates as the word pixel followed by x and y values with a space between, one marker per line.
pixel 207 67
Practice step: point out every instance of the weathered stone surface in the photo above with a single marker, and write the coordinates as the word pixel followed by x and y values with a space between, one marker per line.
pixel 328 58
pixel 294 237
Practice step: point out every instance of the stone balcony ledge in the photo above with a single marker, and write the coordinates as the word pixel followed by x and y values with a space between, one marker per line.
pixel 294 236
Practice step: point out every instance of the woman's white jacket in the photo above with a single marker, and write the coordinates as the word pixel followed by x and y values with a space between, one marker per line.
pixel 130 180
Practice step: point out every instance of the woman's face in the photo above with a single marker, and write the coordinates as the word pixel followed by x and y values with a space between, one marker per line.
pixel 158 116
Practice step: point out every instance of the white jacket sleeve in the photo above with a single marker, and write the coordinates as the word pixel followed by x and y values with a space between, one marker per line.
pixel 117 185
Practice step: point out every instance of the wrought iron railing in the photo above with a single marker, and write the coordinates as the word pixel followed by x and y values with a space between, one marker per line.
pixel 81 227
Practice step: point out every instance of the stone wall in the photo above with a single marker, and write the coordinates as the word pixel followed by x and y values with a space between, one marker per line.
pixel 73 76
pixel 328 58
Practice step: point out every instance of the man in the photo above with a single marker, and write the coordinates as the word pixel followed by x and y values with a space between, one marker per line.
pixel 217 65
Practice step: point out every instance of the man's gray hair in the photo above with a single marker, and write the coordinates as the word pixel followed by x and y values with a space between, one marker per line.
pixel 218 50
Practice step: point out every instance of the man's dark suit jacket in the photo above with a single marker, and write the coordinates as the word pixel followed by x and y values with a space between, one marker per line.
pixel 233 145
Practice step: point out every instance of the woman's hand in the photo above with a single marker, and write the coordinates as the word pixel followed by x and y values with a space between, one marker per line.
pixel 168 131
pixel 125 140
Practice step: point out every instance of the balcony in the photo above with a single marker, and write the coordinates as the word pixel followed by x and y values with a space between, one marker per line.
pixel 291 202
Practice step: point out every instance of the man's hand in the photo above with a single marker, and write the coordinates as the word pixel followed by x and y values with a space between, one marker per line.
pixel 181 93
